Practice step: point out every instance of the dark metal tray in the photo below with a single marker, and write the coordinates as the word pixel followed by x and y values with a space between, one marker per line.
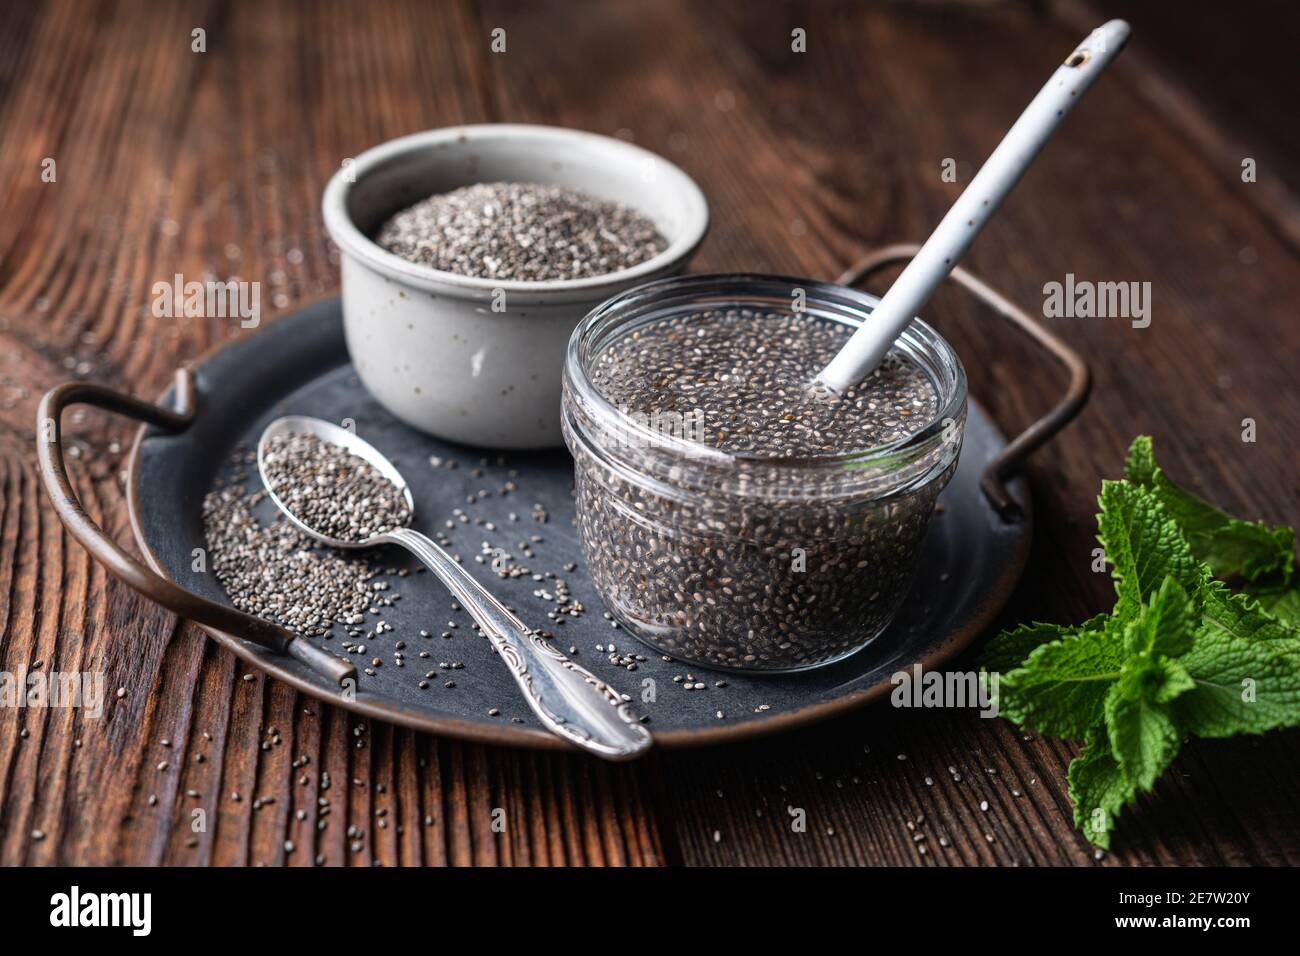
pixel 972 557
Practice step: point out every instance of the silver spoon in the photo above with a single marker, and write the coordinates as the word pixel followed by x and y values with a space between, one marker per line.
pixel 568 699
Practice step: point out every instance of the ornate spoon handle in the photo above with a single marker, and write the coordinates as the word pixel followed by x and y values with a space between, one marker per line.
pixel 570 700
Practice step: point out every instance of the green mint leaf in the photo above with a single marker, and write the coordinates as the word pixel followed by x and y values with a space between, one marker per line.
pixel 1174 681
pixel 1140 466
pixel 1248 548
pixel 1061 689
pixel 1164 626
pixel 1143 544
pixel 1156 679
pixel 1098 787
pixel 1142 734
pixel 1240 616
pixel 1242 684
pixel 1195 516
pixel 1280 603
pixel 1010 649
pixel 1229 546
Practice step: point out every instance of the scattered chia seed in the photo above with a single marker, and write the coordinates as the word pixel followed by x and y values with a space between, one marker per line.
pixel 277 572
pixel 521 232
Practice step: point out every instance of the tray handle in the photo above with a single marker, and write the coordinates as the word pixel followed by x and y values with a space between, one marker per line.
pixel 103 549
pixel 1006 464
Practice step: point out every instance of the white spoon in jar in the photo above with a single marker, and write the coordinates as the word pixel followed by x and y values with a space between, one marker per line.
pixel 570 701
pixel 930 266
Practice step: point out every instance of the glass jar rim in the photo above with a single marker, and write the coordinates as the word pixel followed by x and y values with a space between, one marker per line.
pixel 838 303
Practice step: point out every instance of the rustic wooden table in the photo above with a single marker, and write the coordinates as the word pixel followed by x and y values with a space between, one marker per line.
pixel 211 164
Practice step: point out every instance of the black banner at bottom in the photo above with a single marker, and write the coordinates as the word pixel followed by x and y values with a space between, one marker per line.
pixel 134 906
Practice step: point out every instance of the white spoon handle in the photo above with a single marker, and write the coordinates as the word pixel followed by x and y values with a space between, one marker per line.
pixel 1003 169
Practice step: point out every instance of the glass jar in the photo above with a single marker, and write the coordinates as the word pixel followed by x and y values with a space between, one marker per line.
pixel 740 562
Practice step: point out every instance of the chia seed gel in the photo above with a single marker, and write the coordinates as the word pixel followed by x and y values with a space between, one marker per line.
pixel 764 558
pixel 745 379
pixel 521 231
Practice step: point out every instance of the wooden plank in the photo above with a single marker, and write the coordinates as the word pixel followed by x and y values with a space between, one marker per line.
pixel 1189 68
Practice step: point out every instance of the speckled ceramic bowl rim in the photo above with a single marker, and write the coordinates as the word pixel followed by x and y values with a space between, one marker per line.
pixel 352 241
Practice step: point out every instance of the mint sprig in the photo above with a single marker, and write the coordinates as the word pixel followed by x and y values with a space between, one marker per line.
pixel 1250 550
pixel 1180 653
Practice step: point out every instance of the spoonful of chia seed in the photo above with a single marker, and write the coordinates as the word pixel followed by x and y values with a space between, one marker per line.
pixel 332 492
pixel 341 491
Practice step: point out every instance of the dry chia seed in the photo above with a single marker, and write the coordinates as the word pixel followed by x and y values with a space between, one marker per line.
pixel 753 565
pixel 277 572
pixel 331 490
pixel 521 232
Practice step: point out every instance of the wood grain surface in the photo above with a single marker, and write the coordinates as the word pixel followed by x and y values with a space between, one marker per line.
pixel 211 165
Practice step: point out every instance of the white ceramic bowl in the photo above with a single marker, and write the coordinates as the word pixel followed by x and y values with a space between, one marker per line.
pixel 428 344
